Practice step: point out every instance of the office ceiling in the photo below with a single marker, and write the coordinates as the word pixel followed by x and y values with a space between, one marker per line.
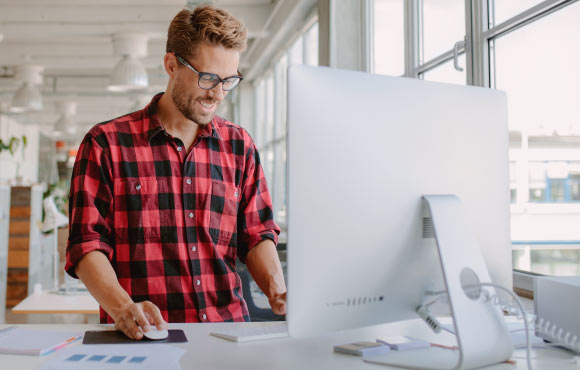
pixel 72 40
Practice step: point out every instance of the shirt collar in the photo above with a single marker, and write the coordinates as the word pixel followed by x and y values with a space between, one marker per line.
pixel 155 125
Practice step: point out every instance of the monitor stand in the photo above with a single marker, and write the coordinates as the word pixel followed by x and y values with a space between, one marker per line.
pixel 482 336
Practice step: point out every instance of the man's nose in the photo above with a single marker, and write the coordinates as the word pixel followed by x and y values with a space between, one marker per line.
pixel 218 92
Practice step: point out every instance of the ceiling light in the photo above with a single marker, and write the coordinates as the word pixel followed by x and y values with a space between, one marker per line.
pixel 129 74
pixel 27 97
pixel 65 126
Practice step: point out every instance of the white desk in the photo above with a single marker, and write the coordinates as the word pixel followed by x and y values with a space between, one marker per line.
pixel 208 352
pixel 52 303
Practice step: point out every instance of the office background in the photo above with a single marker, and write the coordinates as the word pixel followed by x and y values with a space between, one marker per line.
pixel 67 51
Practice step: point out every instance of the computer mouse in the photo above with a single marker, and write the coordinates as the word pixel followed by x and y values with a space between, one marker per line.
pixel 155 334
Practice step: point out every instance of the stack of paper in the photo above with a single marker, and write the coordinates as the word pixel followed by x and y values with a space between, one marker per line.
pixel 116 356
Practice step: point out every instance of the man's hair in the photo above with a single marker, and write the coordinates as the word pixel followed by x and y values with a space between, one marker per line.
pixel 204 24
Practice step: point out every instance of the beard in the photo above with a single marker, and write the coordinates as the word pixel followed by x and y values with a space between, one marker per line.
pixel 186 102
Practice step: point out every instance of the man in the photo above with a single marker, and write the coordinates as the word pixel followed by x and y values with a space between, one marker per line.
pixel 163 199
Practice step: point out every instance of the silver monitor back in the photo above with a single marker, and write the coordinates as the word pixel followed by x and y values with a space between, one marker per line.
pixel 362 150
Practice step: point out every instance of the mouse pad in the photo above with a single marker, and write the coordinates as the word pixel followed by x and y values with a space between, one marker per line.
pixel 114 337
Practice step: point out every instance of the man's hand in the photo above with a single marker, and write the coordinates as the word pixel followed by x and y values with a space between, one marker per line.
pixel 134 315
pixel 278 304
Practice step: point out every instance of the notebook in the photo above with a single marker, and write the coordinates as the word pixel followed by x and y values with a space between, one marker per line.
pixel 22 341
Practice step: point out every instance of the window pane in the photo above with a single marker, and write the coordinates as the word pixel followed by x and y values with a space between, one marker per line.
pixel 269 119
pixel 501 10
pixel 311 45
pixel 537 66
pixel 260 108
pixel 447 73
pixel 296 52
pixel 281 71
pixel 575 187
pixel 389 38
pixel 548 259
pixel 443 26
pixel 279 193
pixel 267 158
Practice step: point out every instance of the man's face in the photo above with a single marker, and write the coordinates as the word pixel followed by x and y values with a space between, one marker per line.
pixel 195 103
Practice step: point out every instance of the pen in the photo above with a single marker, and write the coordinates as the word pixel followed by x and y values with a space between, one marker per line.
pixel 511 362
pixel 444 346
pixel 68 341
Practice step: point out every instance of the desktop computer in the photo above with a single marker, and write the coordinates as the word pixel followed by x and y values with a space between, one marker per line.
pixel 396 187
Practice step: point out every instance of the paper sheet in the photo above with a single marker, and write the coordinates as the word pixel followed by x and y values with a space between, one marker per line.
pixel 115 356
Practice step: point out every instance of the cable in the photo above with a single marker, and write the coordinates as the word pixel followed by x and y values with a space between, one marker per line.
pixel 523 313
pixel 425 314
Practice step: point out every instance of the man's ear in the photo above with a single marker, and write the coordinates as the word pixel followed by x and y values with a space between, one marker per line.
pixel 170 63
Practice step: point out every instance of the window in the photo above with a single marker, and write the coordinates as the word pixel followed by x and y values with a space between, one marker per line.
pixel 536 65
pixel 443 26
pixel 501 10
pixel 270 115
pixel 447 73
pixel 526 48
pixel 311 46
pixel 389 37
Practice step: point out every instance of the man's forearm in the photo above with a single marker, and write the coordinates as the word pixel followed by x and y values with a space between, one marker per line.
pixel 264 265
pixel 96 272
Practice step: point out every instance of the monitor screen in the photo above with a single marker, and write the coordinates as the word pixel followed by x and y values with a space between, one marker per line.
pixel 362 151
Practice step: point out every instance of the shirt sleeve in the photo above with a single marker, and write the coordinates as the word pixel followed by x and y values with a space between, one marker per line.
pixel 90 203
pixel 255 218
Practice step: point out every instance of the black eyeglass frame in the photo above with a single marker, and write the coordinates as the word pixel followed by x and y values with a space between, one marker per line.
pixel 218 79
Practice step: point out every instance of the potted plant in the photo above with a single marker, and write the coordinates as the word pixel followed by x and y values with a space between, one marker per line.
pixel 12 145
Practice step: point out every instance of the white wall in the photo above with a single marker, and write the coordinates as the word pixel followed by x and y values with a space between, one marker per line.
pixel 23 161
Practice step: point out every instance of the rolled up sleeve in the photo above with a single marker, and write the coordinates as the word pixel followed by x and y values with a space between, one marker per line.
pixel 256 218
pixel 90 203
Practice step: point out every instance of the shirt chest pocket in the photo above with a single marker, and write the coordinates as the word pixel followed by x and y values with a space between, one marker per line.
pixel 224 204
pixel 136 206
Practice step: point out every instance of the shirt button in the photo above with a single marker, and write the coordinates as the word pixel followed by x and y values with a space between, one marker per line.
pixel 188 181
pixel 193 249
pixel 190 215
pixel 179 149
pixel 204 317
pixel 198 282
pixel 236 194
pixel 138 187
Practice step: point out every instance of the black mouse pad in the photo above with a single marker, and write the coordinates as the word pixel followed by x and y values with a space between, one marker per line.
pixel 115 336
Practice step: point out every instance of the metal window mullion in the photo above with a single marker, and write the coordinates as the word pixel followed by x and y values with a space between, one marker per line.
pixel 367 24
pixel 541 10
pixel 476 44
pixel 413 29
pixel 438 60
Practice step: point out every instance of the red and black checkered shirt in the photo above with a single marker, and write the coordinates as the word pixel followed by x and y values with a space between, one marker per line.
pixel 171 222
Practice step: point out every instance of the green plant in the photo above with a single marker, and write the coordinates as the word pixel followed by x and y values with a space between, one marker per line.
pixel 13 144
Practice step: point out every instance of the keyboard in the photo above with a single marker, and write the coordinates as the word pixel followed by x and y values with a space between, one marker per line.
pixel 246 334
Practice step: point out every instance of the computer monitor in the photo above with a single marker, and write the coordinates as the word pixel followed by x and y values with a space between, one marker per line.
pixel 363 150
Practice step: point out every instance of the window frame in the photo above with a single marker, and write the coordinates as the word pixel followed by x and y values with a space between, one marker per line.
pixel 478 46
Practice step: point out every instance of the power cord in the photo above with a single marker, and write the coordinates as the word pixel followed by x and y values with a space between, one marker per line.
pixel 424 312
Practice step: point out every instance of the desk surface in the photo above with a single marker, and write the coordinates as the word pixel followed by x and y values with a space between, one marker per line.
pixel 52 303
pixel 208 352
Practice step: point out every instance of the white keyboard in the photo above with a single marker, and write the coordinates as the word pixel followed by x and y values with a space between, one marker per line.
pixel 246 334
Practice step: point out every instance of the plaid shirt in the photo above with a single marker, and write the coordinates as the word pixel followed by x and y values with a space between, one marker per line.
pixel 171 222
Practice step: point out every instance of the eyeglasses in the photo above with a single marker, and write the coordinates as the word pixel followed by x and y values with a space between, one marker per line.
pixel 208 81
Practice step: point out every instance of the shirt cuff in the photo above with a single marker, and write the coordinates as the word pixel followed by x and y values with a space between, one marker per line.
pixel 75 252
pixel 256 239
